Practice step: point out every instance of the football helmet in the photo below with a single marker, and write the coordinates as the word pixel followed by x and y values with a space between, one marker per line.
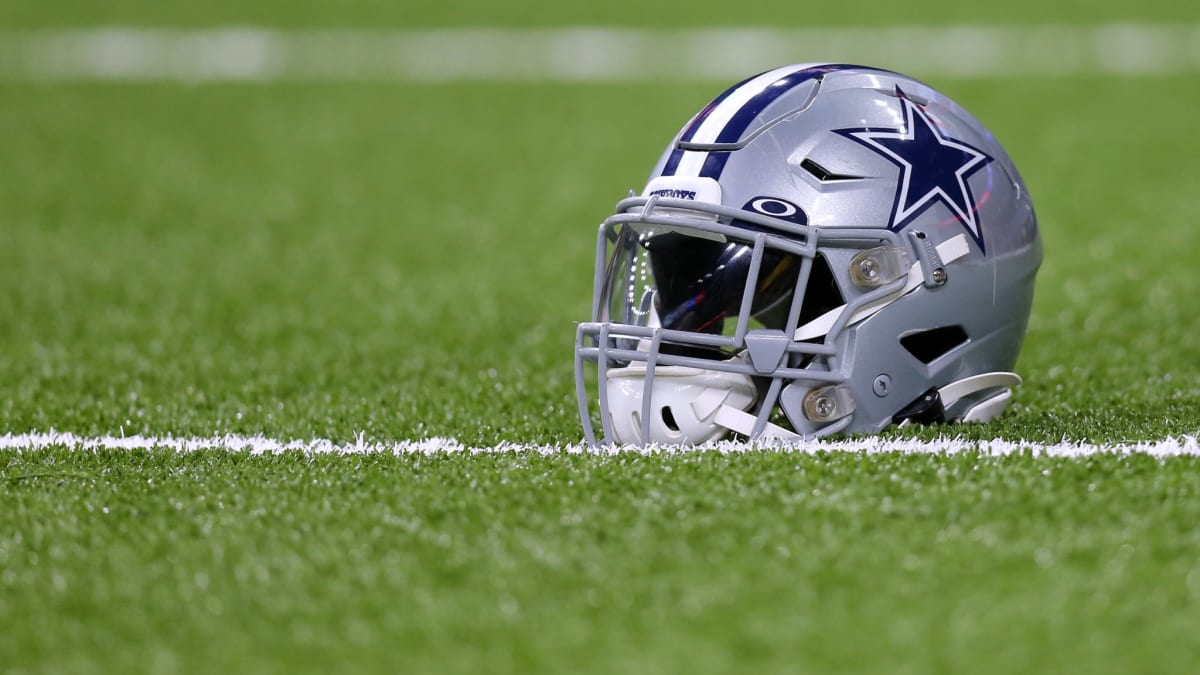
pixel 822 248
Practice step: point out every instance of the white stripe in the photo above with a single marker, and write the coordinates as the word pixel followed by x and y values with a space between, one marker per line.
pixel 1184 445
pixel 692 161
pixel 719 116
pixel 588 54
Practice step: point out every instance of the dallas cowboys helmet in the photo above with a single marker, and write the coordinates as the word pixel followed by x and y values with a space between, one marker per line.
pixel 823 248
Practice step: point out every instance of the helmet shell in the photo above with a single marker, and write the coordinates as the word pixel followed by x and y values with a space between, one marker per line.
pixel 814 151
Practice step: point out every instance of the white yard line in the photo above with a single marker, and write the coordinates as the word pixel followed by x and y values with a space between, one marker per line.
pixel 1184 445
pixel 587 54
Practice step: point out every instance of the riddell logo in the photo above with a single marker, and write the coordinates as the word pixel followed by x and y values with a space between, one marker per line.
pixel 675 194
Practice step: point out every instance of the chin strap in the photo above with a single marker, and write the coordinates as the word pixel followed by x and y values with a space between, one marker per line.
pixel 931 407
pixel 742 422
pixel 928 409
pixel 955 391
pixel 950 250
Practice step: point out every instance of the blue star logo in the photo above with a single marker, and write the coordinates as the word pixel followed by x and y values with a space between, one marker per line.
pixel 933 167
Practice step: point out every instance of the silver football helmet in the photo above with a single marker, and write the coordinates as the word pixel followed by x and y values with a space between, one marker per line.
pixel 823 248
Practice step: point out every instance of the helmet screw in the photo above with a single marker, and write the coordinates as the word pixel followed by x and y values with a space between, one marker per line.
pixel 939 275
pixel 824 406
pixel 869 269
pixel 882 385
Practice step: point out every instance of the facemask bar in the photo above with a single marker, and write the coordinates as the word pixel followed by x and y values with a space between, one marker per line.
pixel 596 340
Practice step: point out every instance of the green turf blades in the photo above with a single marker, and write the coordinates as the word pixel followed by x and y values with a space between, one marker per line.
pixel 770 562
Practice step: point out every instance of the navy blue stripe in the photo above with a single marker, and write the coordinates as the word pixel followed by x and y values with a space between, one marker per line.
pixel 714 164
pixel 672 163
pixel 737 125
pixel 689 132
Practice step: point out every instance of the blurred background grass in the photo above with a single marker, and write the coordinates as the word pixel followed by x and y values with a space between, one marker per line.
pixel 528 13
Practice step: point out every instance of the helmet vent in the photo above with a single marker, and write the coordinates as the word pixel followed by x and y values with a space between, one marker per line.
pixel 929 345
pixel 822 174
pixel 669 419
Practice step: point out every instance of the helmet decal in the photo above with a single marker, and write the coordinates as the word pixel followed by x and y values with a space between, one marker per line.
pixel 777 208
pixel 933 167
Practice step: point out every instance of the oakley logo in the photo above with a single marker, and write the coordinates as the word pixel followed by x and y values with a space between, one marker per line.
pixel 777 208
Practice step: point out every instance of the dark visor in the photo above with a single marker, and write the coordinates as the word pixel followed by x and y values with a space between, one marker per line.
pixel 700 282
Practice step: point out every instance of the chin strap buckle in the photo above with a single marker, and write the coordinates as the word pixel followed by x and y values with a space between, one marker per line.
pixel 930 407
pixel 926 409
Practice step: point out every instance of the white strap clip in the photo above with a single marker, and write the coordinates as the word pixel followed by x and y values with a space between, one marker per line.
pixel 989 408
pixel 743 423
pixel 950 250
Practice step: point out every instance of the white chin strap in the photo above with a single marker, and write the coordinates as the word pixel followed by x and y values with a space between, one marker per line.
pixel 743 423
pixel 950 250
pixel 989 408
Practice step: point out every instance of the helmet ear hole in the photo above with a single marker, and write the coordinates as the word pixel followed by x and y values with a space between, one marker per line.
pixel 928 345
pixel 668 419
pixel 822 293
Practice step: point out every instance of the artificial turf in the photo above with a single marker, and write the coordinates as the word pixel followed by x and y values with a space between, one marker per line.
pixel 770 562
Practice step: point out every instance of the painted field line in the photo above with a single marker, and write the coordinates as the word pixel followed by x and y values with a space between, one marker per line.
pixel 1184 445
pixel 587 53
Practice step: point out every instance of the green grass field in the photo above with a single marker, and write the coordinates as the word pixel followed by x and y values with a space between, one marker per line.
pixel 407 261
